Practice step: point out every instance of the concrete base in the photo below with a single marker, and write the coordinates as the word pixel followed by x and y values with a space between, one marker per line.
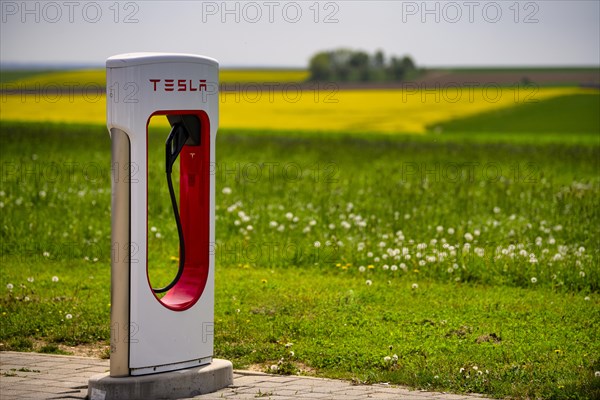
pixel 167 385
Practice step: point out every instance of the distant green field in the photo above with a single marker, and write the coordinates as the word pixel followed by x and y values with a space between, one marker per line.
pixel 32 79
pixel 469 70
pixel 7 76
pixel 570 114
pixel 96 76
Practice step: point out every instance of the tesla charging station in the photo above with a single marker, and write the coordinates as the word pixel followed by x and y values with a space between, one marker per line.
pixel 162 337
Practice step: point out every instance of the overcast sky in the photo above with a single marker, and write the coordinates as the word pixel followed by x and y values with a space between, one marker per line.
pixel 287 33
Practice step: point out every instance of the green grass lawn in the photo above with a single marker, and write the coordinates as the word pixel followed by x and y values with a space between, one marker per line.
pixel 572 115
pixel 448 262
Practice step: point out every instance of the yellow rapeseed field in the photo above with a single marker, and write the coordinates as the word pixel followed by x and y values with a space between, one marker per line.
pixel 368 110
pixel 304 109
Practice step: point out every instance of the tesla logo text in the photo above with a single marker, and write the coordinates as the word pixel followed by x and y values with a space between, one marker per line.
pixel 179 85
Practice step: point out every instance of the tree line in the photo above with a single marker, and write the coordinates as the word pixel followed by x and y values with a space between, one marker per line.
pixel 345 65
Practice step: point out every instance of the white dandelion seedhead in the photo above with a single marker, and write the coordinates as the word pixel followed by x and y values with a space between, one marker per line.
pixel 10 286
pixel 414 286
pixel 55 279
pixel 317 244
pixel 226 190
pixel 369 282
pixel 534 280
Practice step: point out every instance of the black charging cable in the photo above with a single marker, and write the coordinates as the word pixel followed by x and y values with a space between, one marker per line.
pixel 175 142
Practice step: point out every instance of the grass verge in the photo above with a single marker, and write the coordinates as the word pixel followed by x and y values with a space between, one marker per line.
pixel 457 253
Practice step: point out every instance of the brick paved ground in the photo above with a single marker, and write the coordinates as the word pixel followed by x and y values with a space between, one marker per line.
pixel 43 376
